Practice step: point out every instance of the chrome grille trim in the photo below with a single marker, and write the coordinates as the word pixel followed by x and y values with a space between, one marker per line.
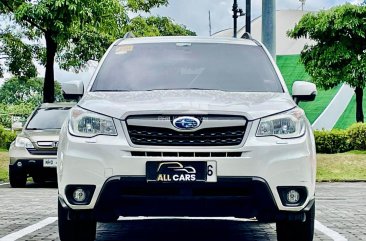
pixel 165 121
pixel 184 154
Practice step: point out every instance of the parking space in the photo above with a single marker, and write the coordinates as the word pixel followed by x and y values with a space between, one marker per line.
pixel 30 214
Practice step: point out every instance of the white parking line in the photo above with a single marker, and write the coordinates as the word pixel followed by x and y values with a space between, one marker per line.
pixel 30 229
pixel 327 231
pixel 2 184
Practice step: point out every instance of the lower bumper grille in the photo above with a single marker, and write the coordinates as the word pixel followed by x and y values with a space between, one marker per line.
pixel 133 196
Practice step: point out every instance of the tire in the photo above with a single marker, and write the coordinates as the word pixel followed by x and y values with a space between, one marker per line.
pixel 300 231
pixel 17 178
pixel 75 230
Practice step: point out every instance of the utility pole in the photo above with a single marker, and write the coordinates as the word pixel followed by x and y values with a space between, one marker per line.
pixel 269 26
pixel 209 22
pixel 302 4
pixel 248 21
pixel 237 12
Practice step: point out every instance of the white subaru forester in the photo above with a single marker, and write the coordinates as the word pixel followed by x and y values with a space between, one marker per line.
pixel 187 126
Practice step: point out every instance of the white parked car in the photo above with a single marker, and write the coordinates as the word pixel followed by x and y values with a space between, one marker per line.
pixel 187 126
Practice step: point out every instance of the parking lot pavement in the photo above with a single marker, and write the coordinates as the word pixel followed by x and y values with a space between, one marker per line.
pixel 30 214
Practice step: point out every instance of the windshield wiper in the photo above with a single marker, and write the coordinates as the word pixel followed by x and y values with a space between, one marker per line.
pixel 33 129
pixel 111 90
pixel 154 89
pixel 183 89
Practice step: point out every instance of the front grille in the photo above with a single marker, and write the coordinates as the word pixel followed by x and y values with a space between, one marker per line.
pixel 207 189
pixel 34 151
pixel 185 154
pixel 153 136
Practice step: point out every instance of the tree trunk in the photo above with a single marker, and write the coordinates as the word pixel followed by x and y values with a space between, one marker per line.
pixel 359 110
pixel 49 78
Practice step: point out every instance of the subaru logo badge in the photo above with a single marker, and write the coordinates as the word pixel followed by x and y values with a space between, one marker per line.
pixel 186 123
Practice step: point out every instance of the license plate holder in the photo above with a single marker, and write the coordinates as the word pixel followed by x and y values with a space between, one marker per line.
pixel 181 172
pixel 50 162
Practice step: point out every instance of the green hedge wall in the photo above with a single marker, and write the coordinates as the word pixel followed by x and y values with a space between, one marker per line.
pixel 6 138
pixel 336 141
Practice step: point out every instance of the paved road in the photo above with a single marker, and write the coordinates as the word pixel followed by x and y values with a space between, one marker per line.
pixel 30 214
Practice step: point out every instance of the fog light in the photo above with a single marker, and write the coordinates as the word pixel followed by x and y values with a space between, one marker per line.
pixel 79 195
pixel 293 196
pixel 19 164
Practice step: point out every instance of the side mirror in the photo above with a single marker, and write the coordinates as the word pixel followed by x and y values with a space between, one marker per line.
pixel 73 90
pixel 17 126
pixel 303 91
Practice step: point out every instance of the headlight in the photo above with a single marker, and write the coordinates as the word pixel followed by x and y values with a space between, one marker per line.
pixel 85 123
pixel 23 142
pixel 290 124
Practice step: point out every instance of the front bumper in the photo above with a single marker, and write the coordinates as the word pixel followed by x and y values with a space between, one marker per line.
pixel 235 197
pixel 31 165
pixel 34 167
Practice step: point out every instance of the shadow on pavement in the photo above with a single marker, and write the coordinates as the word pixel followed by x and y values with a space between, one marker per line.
pixel 41 185
pixel 184 230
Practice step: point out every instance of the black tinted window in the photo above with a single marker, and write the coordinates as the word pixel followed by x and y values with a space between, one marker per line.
pixel 51 118
pixel 227 67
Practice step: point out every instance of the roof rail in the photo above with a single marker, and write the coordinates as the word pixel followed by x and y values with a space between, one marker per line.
pixel 247 35
pixel 129 35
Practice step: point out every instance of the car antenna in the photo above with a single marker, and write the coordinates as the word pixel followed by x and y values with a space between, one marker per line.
pixel 247 35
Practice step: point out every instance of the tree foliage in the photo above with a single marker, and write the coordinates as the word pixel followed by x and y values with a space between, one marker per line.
pixel 12 49
pixel 339 52
pixel 19 97
pixel 157 26
pixel 16 91
pixel 22 110
pixel 74 32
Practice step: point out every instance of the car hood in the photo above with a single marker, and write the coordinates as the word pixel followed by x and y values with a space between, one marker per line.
pixel 252 105
pixel 41 135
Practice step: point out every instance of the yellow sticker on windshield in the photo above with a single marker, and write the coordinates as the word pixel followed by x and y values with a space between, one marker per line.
pixel 124 49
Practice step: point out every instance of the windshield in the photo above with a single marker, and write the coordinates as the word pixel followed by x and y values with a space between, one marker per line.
pixel 50 118
pixel 213 66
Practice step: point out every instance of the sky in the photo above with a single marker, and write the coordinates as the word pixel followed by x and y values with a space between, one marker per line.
pixel 194 15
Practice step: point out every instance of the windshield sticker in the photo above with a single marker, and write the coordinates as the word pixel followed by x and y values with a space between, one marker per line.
pixel 124 49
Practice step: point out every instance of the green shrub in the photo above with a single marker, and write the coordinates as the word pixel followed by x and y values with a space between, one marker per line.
pixel 6 138
pixel 333 141
pixel 357 136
